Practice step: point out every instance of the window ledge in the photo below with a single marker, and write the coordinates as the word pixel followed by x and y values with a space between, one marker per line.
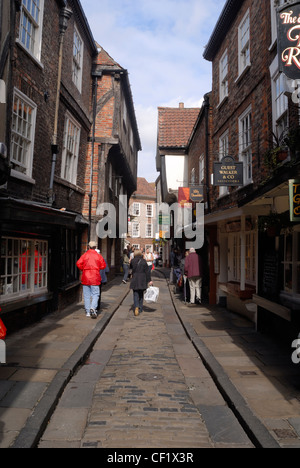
pixel 232 288
pixel 66 183
pixel 242 74
pixel 70 286
pixel 224 100
pixel 26 301
pixel 18 175
pixel 33 58
pixel 273 307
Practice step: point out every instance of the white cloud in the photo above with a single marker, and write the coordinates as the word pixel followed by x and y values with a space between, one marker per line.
pixel 161 44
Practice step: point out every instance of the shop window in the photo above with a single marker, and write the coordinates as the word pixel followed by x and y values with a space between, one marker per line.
pixel 69 257
pixel 251 258
pixel 23 267
pixel 291 262
pixel 234 259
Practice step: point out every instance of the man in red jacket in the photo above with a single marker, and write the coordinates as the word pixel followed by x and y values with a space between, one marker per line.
pixel 193 269
pixel 90 264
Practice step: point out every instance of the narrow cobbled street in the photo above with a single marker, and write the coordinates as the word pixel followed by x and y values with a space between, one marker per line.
pixel 139 388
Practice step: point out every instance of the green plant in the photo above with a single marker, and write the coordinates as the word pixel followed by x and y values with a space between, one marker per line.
pixel 292 139
pixel 274 221
pixel 274 156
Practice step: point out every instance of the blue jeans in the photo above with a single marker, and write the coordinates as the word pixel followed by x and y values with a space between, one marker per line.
pixel 126 271
pixel 91 297
pixel 138 299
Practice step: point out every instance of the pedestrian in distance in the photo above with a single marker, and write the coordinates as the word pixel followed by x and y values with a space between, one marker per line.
pixel 149 259
pixel 193 269
pixel 141 279
pixel 126 265
pixel 90 264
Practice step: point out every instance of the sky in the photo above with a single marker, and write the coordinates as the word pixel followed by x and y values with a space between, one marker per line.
pixel 161 44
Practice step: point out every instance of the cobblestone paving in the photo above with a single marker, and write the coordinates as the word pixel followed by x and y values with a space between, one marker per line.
pixel 143 386
pixel 142 398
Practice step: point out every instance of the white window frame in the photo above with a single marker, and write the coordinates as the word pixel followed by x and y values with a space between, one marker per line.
pixel 77 65
pixel 193 176
pixel 136 230
pixel 24 268
pixel 31 27
pixel 201 169
pixel 244 43
pixel 245 144
pixel 149 231
pixel 136 209
pixel 223 151
pixel 223 71
pixel 70 153
pixel 149 210
pixel 23 134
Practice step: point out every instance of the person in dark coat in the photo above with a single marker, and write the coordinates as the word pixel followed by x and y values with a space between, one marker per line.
pixel 193 269
pixel 141 278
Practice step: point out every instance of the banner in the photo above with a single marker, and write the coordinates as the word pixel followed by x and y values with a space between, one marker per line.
pixel 288 40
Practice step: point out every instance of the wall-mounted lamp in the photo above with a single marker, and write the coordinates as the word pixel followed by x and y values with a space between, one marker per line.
pixel 46 96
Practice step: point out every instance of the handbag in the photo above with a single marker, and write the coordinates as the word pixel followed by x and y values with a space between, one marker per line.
pixel 151 295
pixel 3 330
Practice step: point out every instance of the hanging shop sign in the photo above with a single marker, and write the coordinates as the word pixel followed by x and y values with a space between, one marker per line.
pixel 228 173
pixel 189 195
pixel 197 194
pixel 295 200
pixel 288 42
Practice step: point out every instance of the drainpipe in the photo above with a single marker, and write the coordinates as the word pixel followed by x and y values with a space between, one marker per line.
pixel 95 88
pixel 65 15
pixel 206 105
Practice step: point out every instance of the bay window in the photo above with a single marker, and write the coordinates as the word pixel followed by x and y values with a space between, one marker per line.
pixel 23 267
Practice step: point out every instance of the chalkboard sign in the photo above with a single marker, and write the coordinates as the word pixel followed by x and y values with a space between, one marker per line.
pixel 270 275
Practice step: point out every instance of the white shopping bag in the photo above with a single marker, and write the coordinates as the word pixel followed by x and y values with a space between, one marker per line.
pixel 151 295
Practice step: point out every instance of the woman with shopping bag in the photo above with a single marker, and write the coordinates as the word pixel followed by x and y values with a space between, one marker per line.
pixel 141 279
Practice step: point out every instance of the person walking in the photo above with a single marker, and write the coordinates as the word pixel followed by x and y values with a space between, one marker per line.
pixel 125 264
pixel 141 278
pixel 193 269
pixel 149 259
pixel 90 264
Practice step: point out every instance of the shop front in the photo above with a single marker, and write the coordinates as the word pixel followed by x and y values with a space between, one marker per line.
pixel 39 249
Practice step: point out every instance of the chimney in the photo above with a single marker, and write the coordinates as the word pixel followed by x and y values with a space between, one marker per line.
pixel 181 105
